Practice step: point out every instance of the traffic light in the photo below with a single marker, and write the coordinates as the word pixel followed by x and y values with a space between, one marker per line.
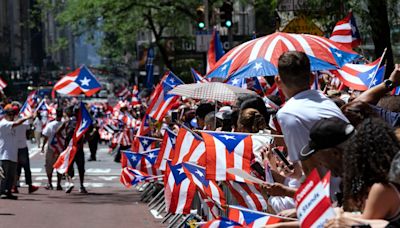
pixel 226 14
pixel 200 18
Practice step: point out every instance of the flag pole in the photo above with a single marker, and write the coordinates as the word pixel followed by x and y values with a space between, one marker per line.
pixel 259 212
pixel 242 133
pixel 379 65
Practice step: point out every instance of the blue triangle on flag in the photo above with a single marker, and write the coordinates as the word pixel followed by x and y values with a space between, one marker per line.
pixel 170 82
pixel 342 57
pixel 371 80
pixel 221 71
pixel 178 172
pixel 134 158
pixel 318 64
pixel 256 68
pixel 250 217
pixel 86 79
pixel 152 156
pixel 198 172
pixel 172 137
pixel 229 140
pixel 238 82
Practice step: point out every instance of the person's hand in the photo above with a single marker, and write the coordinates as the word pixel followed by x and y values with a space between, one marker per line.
pixel 395 75
pixel 267 154
pixel 290 213
pixel 277 189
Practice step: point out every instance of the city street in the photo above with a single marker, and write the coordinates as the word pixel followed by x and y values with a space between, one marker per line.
pixel 108 203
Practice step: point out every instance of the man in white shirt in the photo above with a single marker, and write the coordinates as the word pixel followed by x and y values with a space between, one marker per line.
pixel 23 157
pixel 304 107
pixel 9 151
pixel 49 132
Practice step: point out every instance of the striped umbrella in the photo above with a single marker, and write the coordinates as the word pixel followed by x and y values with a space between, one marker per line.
pixel 210 91
pixel 321 50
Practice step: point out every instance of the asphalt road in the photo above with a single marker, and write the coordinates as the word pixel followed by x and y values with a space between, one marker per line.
pixel 108 203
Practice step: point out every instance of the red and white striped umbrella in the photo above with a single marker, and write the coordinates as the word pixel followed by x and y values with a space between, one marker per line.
pixel 271 47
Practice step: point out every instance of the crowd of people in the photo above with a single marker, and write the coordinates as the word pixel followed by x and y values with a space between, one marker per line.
pixel 353 135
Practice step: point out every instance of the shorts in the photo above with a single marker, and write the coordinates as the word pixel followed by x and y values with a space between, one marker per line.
pixel 50 159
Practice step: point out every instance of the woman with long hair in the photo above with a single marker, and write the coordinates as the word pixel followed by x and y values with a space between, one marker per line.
pixel 366 166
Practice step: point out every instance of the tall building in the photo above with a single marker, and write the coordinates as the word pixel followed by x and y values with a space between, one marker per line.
pixel 23 47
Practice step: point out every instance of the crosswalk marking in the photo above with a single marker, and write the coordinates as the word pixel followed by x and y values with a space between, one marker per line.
pixel 92 170
pixel 108 178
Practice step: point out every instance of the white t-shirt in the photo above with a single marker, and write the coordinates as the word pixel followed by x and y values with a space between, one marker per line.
pixel 50 130
pixel 8 149
pixel 299 115
pixel 38 124
pixel 20 136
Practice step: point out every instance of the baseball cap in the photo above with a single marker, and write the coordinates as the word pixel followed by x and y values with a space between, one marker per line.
pixel 8 109
pixel 223 111
pixel 327 133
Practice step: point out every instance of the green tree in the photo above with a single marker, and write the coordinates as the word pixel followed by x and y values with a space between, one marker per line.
pixel 120 21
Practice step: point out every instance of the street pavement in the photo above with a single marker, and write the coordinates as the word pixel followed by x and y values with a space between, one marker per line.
pixel 108 203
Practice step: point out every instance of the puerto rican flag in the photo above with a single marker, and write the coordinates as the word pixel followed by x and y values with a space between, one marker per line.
pixel 215 51
pixel 227 150
pixel 144 128
pixel 130 176
pixel 3 84
pixel 134 159
pixel 197 77
pixel 148 160
pixel 248 195
pixel 135 96
pixel 251 218
pixel 128 120
pixel 161 102
pixel 313 206
pixel 166 150
pixel 83 123
pixel 26 110
pixel 346 32
pixel 57 144
pixel 189 148
pixel 32 98
pixel 361 76
pixel 209 188
pixel 238 82
pixel 42 107
pixel 179 190
pixel 77 82
pixel 123 93
pixel 221 223
pixel 144 143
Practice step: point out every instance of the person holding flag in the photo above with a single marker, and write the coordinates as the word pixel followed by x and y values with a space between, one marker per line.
pixel 76 126
pixel 49 133
pixel 8 150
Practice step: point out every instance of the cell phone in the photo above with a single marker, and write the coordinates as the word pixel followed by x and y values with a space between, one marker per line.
pixel 283 158
pixel 258 168
pixel 361 226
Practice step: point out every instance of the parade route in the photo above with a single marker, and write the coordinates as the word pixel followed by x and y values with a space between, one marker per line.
pixel 108 203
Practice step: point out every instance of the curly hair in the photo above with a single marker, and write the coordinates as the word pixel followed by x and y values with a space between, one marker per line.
pixel 367 160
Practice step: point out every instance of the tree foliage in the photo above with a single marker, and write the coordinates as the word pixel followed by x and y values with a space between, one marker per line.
pixel 120 21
